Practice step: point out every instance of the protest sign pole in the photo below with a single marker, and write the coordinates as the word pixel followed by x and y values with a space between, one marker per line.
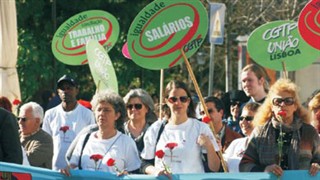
pixel 161 93
pixel 284 70
pixel 196 86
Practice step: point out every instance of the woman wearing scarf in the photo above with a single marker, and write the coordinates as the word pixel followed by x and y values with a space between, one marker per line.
pixel 283 138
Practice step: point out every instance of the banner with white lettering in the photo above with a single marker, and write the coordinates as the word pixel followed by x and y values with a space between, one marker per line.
pixel 164 27
pixel 217 14
pixel 278 42
pixel 42 173
pixel 101 67
pixel 68 43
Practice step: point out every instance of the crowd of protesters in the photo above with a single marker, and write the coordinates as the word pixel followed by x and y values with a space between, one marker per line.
pixel 127 136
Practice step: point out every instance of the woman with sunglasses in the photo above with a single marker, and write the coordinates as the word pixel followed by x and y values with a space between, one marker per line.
pixel 235 151
pixel 140 111
pixel 101 149
pixel 283 138
pixel 183 139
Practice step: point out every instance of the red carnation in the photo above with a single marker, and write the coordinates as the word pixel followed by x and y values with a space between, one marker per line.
pixel 16 102
pixel 206 119
pixel 64 129
pixel 160 154
pixel 96 157
pixel 171 145
pixel 283 114
pixel 112 162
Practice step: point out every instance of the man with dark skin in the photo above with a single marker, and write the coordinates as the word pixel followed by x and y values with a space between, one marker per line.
pixel 66 120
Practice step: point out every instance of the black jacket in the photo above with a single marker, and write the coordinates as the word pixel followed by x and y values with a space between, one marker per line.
pixel 10 146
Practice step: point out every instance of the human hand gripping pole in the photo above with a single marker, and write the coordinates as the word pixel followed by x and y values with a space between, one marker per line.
pixel 196 86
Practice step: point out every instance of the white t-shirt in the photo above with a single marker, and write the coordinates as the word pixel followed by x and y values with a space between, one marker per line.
pixel 186 156
pixel 55 119
pixel 233 154
pixel 121 148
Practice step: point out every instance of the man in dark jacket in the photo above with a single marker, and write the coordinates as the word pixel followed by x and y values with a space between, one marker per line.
pixel 10 147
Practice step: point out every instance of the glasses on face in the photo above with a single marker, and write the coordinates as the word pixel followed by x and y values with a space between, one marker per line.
pixel 182 99
pixel 287 101
pixel 136 106
pixel 22 119
pixel 247 118
pixel 235 103
pixel 203 113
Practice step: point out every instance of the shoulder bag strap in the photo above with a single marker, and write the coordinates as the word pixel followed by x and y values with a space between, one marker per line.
pixel 163 124
pixel 83 145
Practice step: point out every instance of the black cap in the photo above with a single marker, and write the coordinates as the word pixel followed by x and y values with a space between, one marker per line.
pixel 66 78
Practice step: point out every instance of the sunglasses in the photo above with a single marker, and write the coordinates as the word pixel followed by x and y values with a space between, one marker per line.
pixel 22 119
pixel 136 106
pixel 182 99
pixel 235 103
pixel 287 101
pixel 203 113
pixel 247 118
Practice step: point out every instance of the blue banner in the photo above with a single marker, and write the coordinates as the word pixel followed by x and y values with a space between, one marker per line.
pixel 41 173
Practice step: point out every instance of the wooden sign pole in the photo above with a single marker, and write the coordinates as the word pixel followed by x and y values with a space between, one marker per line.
pixel 194 80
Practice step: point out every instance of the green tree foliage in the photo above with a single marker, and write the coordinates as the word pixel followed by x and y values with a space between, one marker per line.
pixel 39 70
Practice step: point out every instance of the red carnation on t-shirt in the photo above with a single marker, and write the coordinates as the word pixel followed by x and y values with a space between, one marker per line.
pixel 171 146
pixel 96 158
pixel 64 129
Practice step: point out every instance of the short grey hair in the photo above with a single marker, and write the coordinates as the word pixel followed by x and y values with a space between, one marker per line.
pixel 115 101
pixel 146 100
pixel 37 110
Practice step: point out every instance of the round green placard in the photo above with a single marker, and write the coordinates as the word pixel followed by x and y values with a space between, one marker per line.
pixel 68 44
pixel 164 27
pixel 277 42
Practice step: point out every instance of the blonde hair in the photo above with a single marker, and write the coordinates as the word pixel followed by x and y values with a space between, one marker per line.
pixel 314 104
pixel 282 85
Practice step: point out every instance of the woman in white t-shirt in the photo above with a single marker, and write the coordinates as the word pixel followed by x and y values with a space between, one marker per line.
pixel 235 151
pixel 183 139
pixel 106 149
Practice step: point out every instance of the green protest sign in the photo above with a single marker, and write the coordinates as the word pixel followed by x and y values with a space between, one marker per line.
pixel 279 42
pixel 164 27
pixel 68 44
pixel 101 67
